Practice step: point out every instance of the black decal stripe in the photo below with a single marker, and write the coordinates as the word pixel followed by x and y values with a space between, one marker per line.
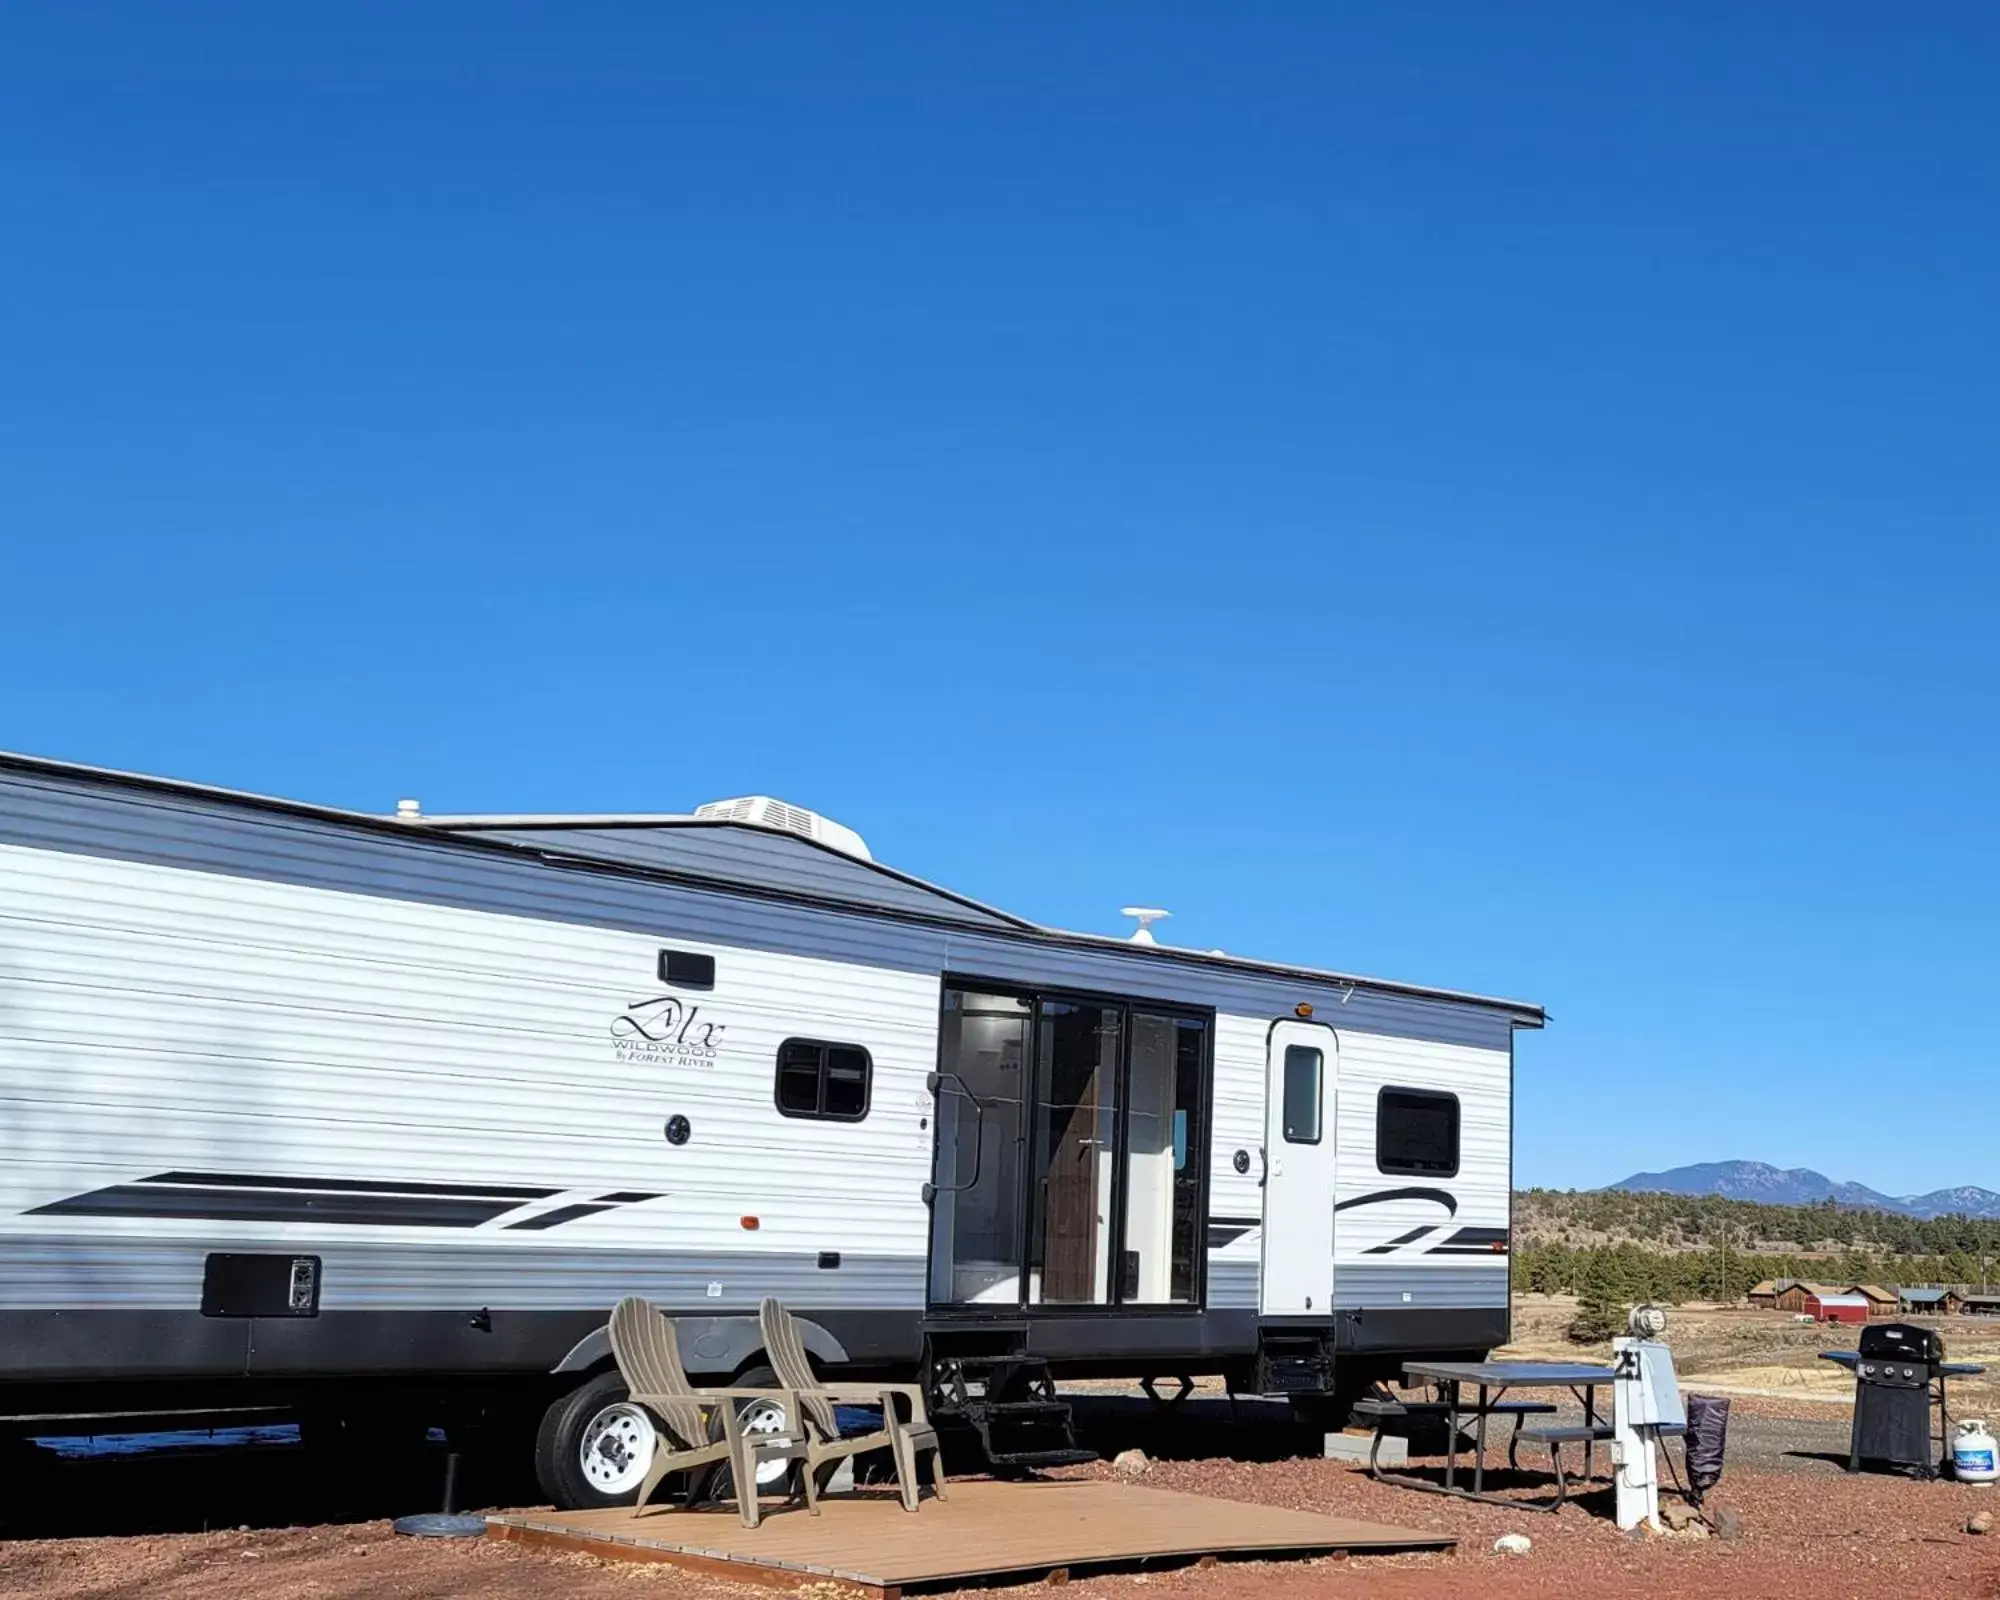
pixel 1472 1242
pixel 1234 1222
pixel 1219 1235
pixel 1397 1243
pixel 1443 1197
pixel 626 1197
pixel 250 1205
pixel 245 1180
pixel 557 1217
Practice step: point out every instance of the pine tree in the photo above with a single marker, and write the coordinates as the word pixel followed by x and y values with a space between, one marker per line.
pixel 1601 1300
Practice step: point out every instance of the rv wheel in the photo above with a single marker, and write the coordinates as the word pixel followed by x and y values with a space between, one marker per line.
pixel 756 1416
pixel 594 1446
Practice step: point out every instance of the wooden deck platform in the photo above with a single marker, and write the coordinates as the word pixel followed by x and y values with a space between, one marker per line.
pixel 985 1532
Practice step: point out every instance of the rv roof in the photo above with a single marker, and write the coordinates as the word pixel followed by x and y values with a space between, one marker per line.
pixel 777 862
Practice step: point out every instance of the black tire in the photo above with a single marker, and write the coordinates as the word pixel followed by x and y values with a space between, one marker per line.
pixel 559 1445
pixel 718 1483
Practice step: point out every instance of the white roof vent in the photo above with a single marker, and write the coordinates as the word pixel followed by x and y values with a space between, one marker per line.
pixel 764 812
pixel 1146 916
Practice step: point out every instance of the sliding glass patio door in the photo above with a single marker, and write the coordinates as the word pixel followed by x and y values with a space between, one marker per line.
pixel 1072 1140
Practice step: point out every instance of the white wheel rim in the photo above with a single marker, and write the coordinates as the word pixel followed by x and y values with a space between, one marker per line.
pixel 766 1417
pixel 617 1449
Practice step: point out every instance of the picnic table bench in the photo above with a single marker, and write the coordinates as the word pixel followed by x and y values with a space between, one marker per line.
pixel 1493 1380
pixel 1583 1433
pixel 1383 1412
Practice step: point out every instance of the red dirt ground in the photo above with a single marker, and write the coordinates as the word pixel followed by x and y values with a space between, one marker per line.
pixel 1817 1531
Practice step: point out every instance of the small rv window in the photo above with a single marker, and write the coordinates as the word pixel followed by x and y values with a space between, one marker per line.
pixel 1302 1081
pixel 828 1081
pixel 1416 1133
pixel 683 969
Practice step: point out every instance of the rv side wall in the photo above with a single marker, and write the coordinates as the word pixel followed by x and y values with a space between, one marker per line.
pixel 450 1075
pixel 1416 1238
pixel 1403 1241
pixel 453 1108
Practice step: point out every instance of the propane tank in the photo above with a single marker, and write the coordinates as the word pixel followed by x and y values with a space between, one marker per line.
pixel 1973 1457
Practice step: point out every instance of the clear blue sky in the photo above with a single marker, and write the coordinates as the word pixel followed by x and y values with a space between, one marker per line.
pixel 1502 497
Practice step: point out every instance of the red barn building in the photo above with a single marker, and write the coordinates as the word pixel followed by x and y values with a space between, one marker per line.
pixel 1793 1294
pixel 1881 1303
pixel 1837 1307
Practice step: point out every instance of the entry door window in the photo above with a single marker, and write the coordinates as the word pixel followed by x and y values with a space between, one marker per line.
pixel 1166 1152
pixel 1305 1070
pixel 1076 1153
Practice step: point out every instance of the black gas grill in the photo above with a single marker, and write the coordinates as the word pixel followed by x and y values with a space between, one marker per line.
pixel 1899 1376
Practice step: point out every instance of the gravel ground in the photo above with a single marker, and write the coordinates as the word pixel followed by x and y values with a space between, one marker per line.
pixel 1765 1435
pixel 1857 1536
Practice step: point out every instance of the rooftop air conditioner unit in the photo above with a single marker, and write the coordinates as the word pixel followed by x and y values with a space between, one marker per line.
pixel 760 810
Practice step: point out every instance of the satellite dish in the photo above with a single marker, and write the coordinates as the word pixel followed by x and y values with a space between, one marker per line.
pixel 1146 916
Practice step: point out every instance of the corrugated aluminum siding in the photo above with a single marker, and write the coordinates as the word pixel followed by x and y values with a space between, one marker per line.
pixel 257 991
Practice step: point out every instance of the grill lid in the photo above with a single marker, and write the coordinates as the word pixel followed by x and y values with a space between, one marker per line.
pixel 1901 1341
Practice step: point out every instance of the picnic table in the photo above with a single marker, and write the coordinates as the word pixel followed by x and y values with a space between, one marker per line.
pixel 1494 1380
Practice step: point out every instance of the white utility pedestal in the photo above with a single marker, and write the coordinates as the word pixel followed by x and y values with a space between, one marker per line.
pixel 1645 1398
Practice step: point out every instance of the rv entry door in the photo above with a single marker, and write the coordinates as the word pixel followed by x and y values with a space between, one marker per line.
pixel 1298 1171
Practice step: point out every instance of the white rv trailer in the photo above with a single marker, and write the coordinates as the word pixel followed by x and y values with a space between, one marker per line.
pixel 290 1094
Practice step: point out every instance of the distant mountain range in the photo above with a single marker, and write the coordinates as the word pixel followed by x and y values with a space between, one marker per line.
pixel 1800 1186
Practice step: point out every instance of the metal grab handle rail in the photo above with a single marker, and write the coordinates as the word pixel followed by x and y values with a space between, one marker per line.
pixel 979 1110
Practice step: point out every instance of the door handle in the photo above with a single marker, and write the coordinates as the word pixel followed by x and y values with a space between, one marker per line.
pixel 934 1083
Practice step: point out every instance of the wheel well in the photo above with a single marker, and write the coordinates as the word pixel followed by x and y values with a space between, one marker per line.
pixel 708 1345
pixel 761 1358
pixel 579 1376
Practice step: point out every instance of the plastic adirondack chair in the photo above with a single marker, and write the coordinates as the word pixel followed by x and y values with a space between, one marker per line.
pixel 906 1439
pixel 649 1360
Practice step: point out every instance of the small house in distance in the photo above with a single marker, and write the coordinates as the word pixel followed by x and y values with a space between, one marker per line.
pixel 1765 1296
pixel 1829 1307
pixel 1881 1303
pixel 1982 1304
pixel 1929 1302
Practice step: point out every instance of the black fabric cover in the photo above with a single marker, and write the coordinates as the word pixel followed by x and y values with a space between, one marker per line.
pixel 1892 1426
pixel 1707 1436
